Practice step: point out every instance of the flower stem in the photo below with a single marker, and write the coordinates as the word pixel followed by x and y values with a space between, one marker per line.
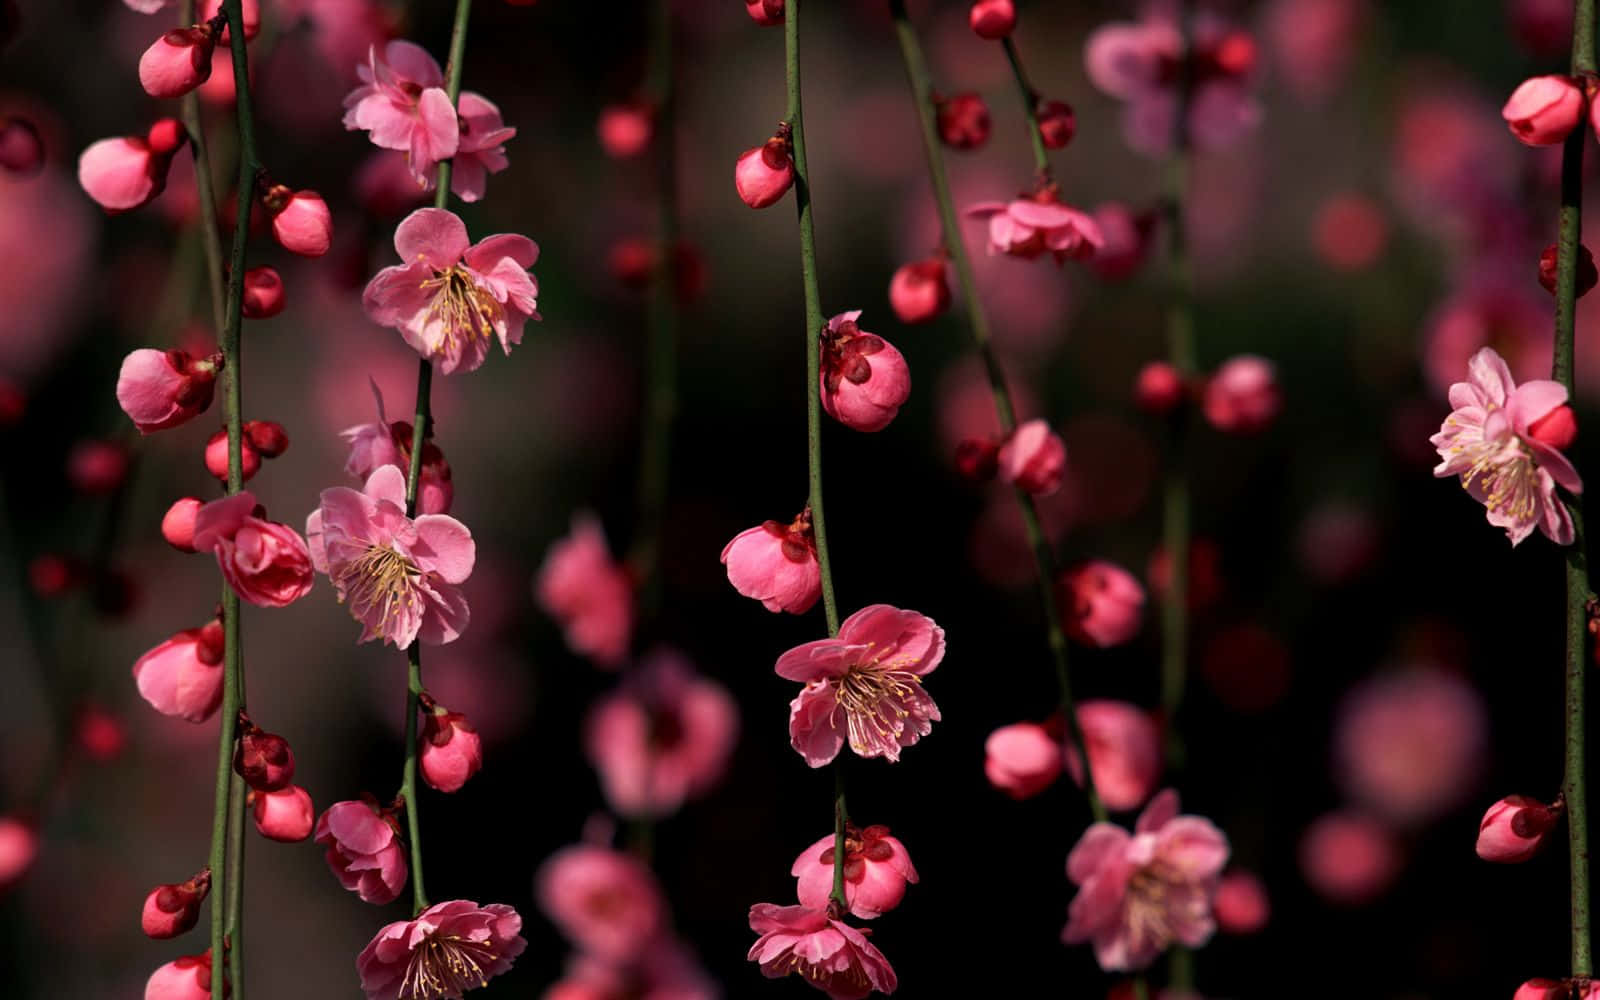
pixel 955 246
pixel 1030 110
pixel 419 434
pixel 1573 786
pixel 841 817
pixel 210 232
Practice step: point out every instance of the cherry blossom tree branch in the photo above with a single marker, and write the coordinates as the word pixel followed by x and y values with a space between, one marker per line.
pixel 1030 105
pixel 210 232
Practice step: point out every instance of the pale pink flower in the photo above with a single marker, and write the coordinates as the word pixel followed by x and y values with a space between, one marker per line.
pixel 265 562
pixel 444 951
pixel 451 751
pixel 1241 905
pixel 402 104
pixel 829 955
pixel 865 684
pixel 161 389
pixel 186 978
pixel 1514 829
pixel 776 564
pixel 1033 458
pixel 1349 858
pixel 451 299
pixel 1103 604
pixel 1027 227
pixel 1141 893
pixel 865 380
pixel 607 902
pixel 375 445
pixel 1124 747
pixel 1544 110
pixel 663 737
pixel 1022 759
pixel 876 872
pixel 589 594
pixel 401 577
pixel 124 173
pixel 482 149
pixel 284 815
pixel 1491 439
pixel 364 851
pixel 182 676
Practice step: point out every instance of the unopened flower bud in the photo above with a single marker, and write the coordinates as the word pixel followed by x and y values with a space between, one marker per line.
pixel 1544 110
pixel 124 173
pixel 918 292
pixel 1585 275
pixel 264 760
pixel 178 62
pixel 776 564
pixel 764 174
pixel 765 12
pixel 170 910
pixel 263 293
pixel 1544 989
pixel 301 222
pixel 977 459
pixel 1057 124
pixel 1558 428
pixel 451 750
pixel 1514 828
pixel 993 19
pixel 865 380
pixel 186 978
pixel 21 149
pixel 1159 388
pixel 285 815
pixel 162 389
pixel 1033 458
pixel 963 120
pixel 177 524
pixel 267 437
pixel 217 457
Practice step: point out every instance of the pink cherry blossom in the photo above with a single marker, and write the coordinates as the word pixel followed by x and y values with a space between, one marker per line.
pixel 992 19
pixel 161 389
pixel 170 910
pixel 124 173
pixel 876 872
pixel 1103 604
pixel 182 676
pixel 1033 458
pixel 301 222
pixel 1544 110
pixel 625 129
pixel 1545 989
pixel 1124 747
pixel 216 457
pixel 1027 227
pixel 1141 893
pixel 1241 905
pixel 19 846
pixel 178 62
pixel 265 562
pixel 364 851
pixel 607 902
pixel 401 577
pixel 664 737
pixel 828 955
pixel 481 151
pixel 766 13
pixel 375 445
pixel 451 750
pixel 764 174
pixel 1491 441
pixel 402 104
pixel 451 299
pixel 1349 857
pixel 1514 829
pixel 865 380
pixel 776 564
pixel 589 594
pixel 865 684
pixel 1242 396
pixel 284 815
pixel 186 978
pixel 445 951
pixel 1022 759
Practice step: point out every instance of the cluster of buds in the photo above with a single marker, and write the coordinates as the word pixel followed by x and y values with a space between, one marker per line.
pixel 1241 397
pixel 1033 458
pixel 261 439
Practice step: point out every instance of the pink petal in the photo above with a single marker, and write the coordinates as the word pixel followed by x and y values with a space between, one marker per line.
pixel 1098 843
pixel 1489 373
pixel 815 731
pixel 438 132
pixel 411 62
pixel 1159 812
pixel 1533 400
pixel 446 545
pixel 387 482
pixel 220 519
pixel 432 236
pixel 816 660
pixel 492 249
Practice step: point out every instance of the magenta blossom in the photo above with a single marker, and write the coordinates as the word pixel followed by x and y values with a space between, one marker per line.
pixel 876 871
pixel 1504 441
pixel 1027 227
pixel 265 562
pixel 1142 892
pixel 829 955
pixel 400 576
pixel 402 104
pixel 451 299
pixel 364 851
pixel 446 950
pixel 865 684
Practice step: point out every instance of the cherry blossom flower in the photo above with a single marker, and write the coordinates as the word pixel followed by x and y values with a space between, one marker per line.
pixel 829 955
pixel 607 902
pixel 1142 892
pixel 776 564
pixel 1241 905
pixel 451 299
pixel 482 149
pixel 1029 226
pixel 765 173
pixel 918 291
pixel 400 576
pixel 265 562
pixel 865 380
pixel 865 684
pixel 1022 759
pixel 182 676
pixel 402 104
pixel 876 872
pixel 364 851
pixel 124 173
pixel 1514 829
pixel 1103 604
pixel 285 815
pixel 1504 441
pixel 451 751
pixel 445 951
pixel 1124 747
pixel 588 593
pixel 1544 110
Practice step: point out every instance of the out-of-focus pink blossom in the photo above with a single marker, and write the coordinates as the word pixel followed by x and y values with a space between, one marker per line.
pixel 161 389
pixel 1241 905
pixel 625 129
pixel 1125 241
pixel 1546 989
pixel 177 525
pixel 1337 542
pixel 186 978
pixel 963 120
pixel 1348 858
pixel 1543 26
pixel 101 734
pixel 385 186
pixel 1124 747
pixel 1514 829
pixel 1057 123
pixel 918 291
pixel 1028 227
pixel 1492 440
pixel 1022 759
pixel 1349 232
pixel 170 910
pixel 451 750
pixel 21 149
pixel 178 62
pixel 1242 396
pixel 864 685
pixel 1103 604
pixel 1033 458
pixel 97 467
pixel 1487 310
pixel 401 104
pixel 301 222
pixel 992 19
pixel 606 902
pixel 1158 388
pixel 764 174
pixel 451 299
pixel 876 871
pixel 363 850
pixel 125 173
pixel 481 151
pixel 444 951
pixel 1544 110
pixel 865 380
pixel 829 955
pixel 400 577
pixel 265 562
pixel 776 564
pixel 1314 43
pixel 664 737
pixel 182 676
pixel 285 815
pixel 589 594
pixel 1141 893
pixel 19 845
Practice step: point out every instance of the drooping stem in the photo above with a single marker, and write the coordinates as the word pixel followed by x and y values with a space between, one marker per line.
pixel 419 434
pixel 1573 786
pixel 955 246
pixel 841 817
pixel 210 233
pixel 1030 110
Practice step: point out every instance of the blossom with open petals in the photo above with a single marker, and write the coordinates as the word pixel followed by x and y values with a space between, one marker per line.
pixel 828 954
pixel 402 104
pixel 444 951
pixel 1028 227
pixel 265 562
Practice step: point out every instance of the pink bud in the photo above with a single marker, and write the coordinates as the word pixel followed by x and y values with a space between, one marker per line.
pixel 1241 905
pixel 166 136
pixel 1101 602
pixel 1124 747
pixel 776 564
pixel 1543 989
pixel 1034 458
pixel 1242 397
pixel 625 130
pixel 993 19
pixel 963 120
pixel 264 760
pixel 1558 428
pixel 267 437
pixel 125 173
pixel 1514 829
pixel 21 149
pixel 765 12
pixel 1057 124
pixel 918 291
pixel 19 845
pixel 186 978
pixel 1544 110
pixel 977 459
pixel 162 389
pixel 451 750
pixel 178 62
pixel 170 910
pixel 1159 388
pixel 876 872
pixel 764 174
pixel 301 223
pixel 865 380
pixel 182 676
pixel 97 467
pixel 1022 759
pixel 177 525
pixel 263 293
pixel 217 457
pixel 284 815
